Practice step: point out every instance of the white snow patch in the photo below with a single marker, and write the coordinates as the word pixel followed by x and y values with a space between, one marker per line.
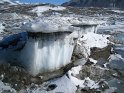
pixel 118 11
pixel 91 40
pixel 92 60
pixel 95 40
pixel 75 70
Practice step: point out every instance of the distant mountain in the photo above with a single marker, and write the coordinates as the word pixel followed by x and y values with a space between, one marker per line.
pixel 96 3
pixel 9 2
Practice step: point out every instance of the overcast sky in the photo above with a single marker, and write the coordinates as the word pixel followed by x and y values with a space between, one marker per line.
pixel 44 1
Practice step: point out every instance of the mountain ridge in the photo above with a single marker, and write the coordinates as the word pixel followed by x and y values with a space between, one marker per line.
pixel 95 3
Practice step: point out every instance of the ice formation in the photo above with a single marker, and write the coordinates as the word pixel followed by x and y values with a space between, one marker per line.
pixel 52 42
pixel 48 44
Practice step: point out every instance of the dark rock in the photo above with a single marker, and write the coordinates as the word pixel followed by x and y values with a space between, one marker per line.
pixel 87 90
pixel 7 91
pixel 98 53
pixel 51 87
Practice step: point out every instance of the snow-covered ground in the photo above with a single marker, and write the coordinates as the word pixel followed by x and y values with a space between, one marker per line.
pixel 4 87
pixel 67 83
pixel 40 9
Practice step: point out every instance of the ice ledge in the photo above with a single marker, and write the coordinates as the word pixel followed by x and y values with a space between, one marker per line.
pixel 58 24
